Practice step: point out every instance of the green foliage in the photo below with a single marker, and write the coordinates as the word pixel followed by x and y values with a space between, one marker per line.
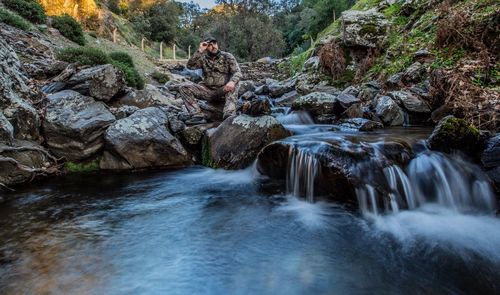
pixel 13 20
pixel 158 22
pixel 297 62
pixel 132 77
pixel 29 9
pixel 93 35
pixel 73 167
pixel 160 77
pixel 447 58
pixel 83 56
pixel 69 28
pixel 122 57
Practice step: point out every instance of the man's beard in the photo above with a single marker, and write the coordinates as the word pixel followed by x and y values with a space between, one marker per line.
pixel 212 54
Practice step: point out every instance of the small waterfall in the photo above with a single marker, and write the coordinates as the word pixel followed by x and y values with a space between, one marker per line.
pixel 302 170
pixel 430 177
pixel 295 117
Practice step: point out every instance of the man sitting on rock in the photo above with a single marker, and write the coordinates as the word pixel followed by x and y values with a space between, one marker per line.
pixel 221 74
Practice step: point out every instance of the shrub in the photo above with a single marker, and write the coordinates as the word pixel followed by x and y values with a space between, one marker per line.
pixel 332 60
pixel 160 77
pixel 122 57
pixel 132 77
pixel 69 28
pixel 83 56
pixel 29 9
pixel 13 20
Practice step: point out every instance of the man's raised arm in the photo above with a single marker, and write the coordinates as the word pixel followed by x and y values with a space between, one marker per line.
pixel 195 62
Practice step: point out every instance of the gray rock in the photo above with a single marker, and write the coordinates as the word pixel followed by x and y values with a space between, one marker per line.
pixel 143 141
pixel 255 107
pixel 351 90
pixel 354 111
pixel 175 123
pixel 262 90
pixel 249 95
pixel 245 86
pixel 53 87
pixel 34 161
pixel 394 80
pixel 123 111
pixel 316 103
pixel 344 101
pixel 277 89
pixel 360 124
pixel 6 129
pixel 413 73
pixel 74 125
pixel 287 99
pixel 238 140
pixel 312 64
pixel 491 154
pixel 389 111
pixel 368 92
pixel 194 134
pixel 306 82
pixel 100 82
pixel 410 102
pixel 363 28
pixel 150 96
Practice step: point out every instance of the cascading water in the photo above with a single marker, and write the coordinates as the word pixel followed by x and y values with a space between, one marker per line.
pixel 302 170
pixel 429 178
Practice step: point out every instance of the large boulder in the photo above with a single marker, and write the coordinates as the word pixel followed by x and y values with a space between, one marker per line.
pixel 454 134
pixel 316 103
pixel 15 94
pixel 6 129
pixel 101 82
pixel 277 89
pixel 491 159
pixel 363 28
pixel 388 111
pixel 236 142
pixel 21 161
pixel 143 140
pixel 417 109
pixel 74 125
pixel 150 96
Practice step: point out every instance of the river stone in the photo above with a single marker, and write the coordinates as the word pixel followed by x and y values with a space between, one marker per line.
pixel 287 98
pixel 100 82
pixel 277 89
pixel 143 141
pixel 360 124
pixel 30 155
pixel 236 142
pixel 74 125
pixel 363 28
pixel 410 102
pixel 490 159
pixel 245 86
pixel 413 73
pixel 150 96
pixel 354 111
pixel 255 107
pixel 453 134
pixel 389 111
pixel 316 103
pixel 344 101
pixel 312 64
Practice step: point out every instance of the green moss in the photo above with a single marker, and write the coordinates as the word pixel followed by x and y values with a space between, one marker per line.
pixel 297 62
pixel 368 29
pixel 206 158
pixel 345 80
pixel 72 167
pixel 365 4
pixel 453 127
pixel 160 77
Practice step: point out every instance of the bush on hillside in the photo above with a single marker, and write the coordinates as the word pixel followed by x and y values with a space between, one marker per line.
pixel 83 56
pixel 160 77
pixel 13 20
pixel 29 9
pixel 122 57
pixel 69 28
pixel 132 77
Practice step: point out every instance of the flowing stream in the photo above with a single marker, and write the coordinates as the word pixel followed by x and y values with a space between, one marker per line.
pixel 426 227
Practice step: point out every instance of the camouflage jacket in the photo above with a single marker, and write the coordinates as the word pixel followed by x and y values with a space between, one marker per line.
pixel 217 71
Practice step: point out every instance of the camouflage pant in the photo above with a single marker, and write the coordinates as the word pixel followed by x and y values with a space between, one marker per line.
pixel 190 93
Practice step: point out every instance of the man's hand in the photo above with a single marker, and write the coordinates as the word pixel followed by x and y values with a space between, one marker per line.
pixel 203 47
pixel 230 86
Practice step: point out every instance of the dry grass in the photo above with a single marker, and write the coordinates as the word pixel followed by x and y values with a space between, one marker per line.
pixel 332 60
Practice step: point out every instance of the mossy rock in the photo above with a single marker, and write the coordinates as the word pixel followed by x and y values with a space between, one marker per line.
pixel 82 167
pixel 454 134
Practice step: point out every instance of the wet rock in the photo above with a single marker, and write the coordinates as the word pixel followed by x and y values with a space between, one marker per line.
pixel 193 135
pixel 363 28
pixel 306 82
pixel 21 161
pixel 287 99
pixel 410 102
pixel 150 96
pixel 277 89
pixel 143 141
pixel 351 90
pixel 176 121
pixel 413 73
pixel 102 82
pixel 312 64
pixel 6 129
pixel 344 101
pixel 394 81
pixel 389 111
pixel 249 95
pixel 490 158
pixel 74 125
pixel 337 161
pixel 316 103
pixel 53 87
pixel 360 124
pixel 354 111
pixel 453 134
pixel 236 142
pixel 440 113
pixel 368 91
pixel 262 90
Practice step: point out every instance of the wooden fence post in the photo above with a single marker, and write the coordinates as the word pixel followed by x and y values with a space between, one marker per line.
pixel 142 44
pixel 114 35
pixel 174 48
pixel 189 52
pixel 161 51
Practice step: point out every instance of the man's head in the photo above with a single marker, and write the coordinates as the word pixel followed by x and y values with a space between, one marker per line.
pixel 211 42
